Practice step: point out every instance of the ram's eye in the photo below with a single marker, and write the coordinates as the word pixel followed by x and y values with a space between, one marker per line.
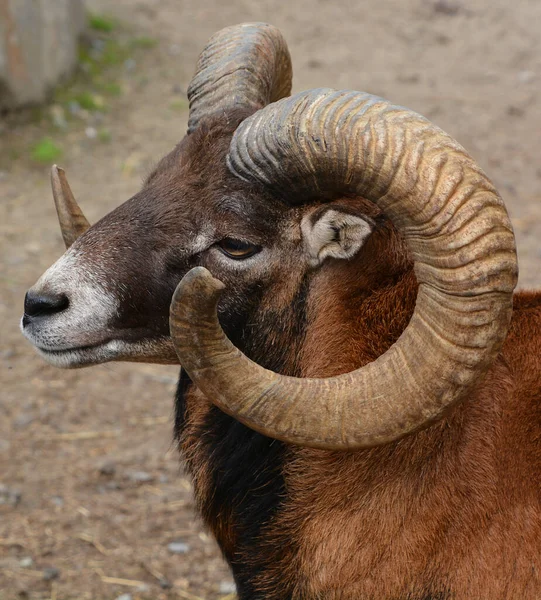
pixel 237 248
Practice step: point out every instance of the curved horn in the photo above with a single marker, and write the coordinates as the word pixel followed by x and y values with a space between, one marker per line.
pixel 458 231
pixel 72 221
pixel 243 66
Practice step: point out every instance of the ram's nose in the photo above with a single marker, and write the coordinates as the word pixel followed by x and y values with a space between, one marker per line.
pixel 42 305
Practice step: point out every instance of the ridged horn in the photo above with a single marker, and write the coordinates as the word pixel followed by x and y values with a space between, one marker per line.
pixel 243 66
pixel 325 142
pixel 72 221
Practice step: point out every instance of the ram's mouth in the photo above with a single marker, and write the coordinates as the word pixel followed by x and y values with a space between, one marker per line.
pixel 46 350
pixel 80 356
pixel 157 350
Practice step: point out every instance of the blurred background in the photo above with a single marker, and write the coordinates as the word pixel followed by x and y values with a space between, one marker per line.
pixel 93 500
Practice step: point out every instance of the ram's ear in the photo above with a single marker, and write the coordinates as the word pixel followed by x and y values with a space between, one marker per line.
pixel 334 231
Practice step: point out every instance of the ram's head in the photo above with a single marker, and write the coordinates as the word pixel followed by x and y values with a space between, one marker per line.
pixel 265 193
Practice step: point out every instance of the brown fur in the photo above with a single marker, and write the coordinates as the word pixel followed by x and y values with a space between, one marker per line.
pixel 450 512
pixel 452 509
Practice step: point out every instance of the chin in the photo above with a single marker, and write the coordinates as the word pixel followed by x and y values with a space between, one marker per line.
pixel 157 351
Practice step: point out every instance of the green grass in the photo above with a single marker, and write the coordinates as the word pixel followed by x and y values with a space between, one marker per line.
pixel 111 88
pixel 99 63
pixel 108 55
pixel 102 23
pixel 97 75
pixel 89 101
pixel 45 151
pixel 143 42
pixel 104 135
pixel 113 53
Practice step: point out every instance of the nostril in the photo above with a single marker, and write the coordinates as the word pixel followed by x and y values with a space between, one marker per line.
pixel 44 304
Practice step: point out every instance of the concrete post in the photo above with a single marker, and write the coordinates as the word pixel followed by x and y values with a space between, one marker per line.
pixel 38 45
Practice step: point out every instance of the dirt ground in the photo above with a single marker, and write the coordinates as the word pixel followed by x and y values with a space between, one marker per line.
pixel 92 492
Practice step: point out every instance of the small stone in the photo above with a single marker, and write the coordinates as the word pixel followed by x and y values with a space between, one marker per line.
pixel 314 63
pixel 178 547
pixel 51 573
pixel 165 584
pixel 74 108
pixel 124 597
pixel 9 495
pixel 130 64
pixel 525 76
pixel 515 111
pixel 143 588
pixel 22 420
pixel 91 133
pixel 442 39
pixel 98 44
pixel 26 562
pixel 58 116
pixel 409 77
pixel 57 500
pixel 227 587
pixel 140 477
pixel 447 7
pixel 107 468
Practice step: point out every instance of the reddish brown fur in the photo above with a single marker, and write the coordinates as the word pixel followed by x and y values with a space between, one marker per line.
pixel 456 506
pixel 450 512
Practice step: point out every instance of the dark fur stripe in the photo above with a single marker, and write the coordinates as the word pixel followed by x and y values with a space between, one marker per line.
pixel 183 384
pixel 249 486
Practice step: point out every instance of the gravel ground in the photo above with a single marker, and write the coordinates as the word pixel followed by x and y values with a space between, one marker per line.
pixel 93 500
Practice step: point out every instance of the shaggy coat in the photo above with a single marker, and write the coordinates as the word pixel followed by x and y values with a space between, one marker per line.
pixel 450 512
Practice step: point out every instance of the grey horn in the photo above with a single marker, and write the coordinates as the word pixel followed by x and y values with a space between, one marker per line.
pixel 244 66
pixel 326 143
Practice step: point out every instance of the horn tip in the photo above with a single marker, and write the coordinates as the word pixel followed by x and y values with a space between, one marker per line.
pixel 201 278
pixel 197 287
